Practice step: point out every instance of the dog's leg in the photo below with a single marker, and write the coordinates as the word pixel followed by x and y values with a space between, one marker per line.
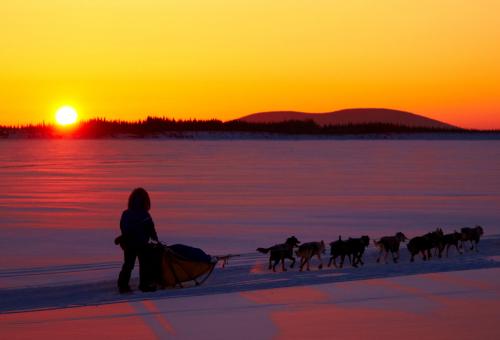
pixel 303 263
pixel 355 260
pixel 283 264
pixel 293 261
pixel 395 257
pixel 330 262
pixel 385 257
pixel 320 262
pixel 379 255
pixel 308 262
pixel 360 259
pixel 275 264
pixel 270 263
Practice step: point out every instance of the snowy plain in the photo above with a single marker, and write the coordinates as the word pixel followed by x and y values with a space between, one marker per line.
pixel 60 201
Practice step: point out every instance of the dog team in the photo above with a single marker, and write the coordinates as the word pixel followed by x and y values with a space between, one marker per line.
pixel 353 248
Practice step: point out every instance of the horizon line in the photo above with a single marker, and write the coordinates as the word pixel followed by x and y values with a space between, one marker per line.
pixel 76 125
pixel 244 115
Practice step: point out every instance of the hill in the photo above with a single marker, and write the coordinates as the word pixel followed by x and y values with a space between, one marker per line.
pixel 350 116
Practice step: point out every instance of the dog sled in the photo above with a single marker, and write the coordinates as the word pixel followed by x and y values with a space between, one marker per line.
pixel 181 264
pixel 162 266
pixel 165 266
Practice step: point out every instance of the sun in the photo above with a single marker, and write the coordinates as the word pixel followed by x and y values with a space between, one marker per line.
pixel 66 115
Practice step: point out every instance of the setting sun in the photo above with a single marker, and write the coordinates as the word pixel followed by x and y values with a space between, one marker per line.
pixel 66 115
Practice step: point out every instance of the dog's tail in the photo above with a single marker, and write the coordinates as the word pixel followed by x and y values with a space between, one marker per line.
pixel 263 250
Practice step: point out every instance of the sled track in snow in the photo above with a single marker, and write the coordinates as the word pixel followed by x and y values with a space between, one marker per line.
pixel 51 270
pixel 245 273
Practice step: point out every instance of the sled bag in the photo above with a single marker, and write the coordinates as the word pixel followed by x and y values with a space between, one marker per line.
pixel 183 263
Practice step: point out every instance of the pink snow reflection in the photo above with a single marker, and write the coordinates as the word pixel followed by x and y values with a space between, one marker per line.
pixel 435 306
pixel 105 321
pixel 291 295
pixel 461 319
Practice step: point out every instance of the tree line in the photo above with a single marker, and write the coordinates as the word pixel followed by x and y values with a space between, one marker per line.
pixel 156 126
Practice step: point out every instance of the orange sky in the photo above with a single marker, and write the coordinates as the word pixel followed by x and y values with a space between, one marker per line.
pixel 202 59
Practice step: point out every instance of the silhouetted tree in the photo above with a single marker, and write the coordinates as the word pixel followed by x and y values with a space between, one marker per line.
pixel 161 126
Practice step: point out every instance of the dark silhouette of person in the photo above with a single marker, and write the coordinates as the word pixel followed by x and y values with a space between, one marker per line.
pixel 137 229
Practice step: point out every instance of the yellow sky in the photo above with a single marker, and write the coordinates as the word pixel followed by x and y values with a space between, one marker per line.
pixel 221 59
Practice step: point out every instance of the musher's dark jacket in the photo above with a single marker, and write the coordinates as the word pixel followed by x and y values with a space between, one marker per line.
pixel 137 228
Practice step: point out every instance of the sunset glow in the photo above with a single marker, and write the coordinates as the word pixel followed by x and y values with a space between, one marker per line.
pixel 229 169
pixel 66 115
pixel 225 59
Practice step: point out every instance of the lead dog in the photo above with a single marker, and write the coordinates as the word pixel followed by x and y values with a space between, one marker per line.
pixel 280 252
pixel 307 250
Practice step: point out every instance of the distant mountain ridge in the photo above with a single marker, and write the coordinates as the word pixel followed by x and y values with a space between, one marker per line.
pixel 350 116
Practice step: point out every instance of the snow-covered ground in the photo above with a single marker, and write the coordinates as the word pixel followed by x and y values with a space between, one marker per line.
pixel 60 202
pixel 456 297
